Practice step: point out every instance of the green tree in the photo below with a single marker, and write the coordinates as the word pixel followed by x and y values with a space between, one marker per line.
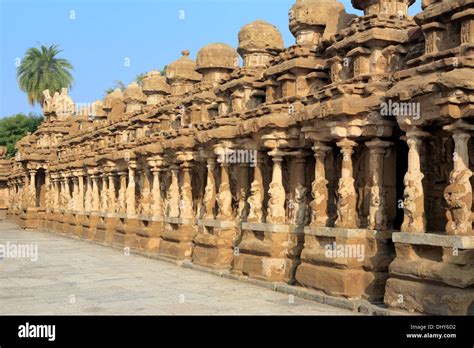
pixel 15 127
pixel 41 69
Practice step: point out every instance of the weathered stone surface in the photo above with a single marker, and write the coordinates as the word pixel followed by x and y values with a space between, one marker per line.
pixel 297 167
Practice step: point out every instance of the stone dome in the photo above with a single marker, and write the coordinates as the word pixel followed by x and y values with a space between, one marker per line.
pixel 329 15
pixel 133 93
pixel 217 55
pixel 183 69
pixel 112 97
pixel 259 37
pixel 153 82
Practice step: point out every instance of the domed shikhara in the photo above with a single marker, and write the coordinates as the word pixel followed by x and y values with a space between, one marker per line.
pixel 259 37
pixel 153 82
pixel 133 93
pixel 183 69
pixel 258 41
pixel 109 100
pixel 314 20
pixel 383 7
pixel 217 56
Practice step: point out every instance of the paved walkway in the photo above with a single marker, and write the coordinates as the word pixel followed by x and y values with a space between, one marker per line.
pixel 79 277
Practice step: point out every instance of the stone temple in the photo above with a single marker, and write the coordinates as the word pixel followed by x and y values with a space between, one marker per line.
pixel 341 164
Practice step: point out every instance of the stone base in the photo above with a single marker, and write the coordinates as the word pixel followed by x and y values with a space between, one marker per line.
pixel 3 214
pixel 269 252
pixel 147 237
pixel 105 228
pixel 125 231
pixel 89 224
pixel 428 298
pixel 69 224
pixel 265 268
pixel 177 240
pixel 214 244
pixel 349 283
pixel 432 274
pixel 352 263
pixel 31 219
pixel 57 221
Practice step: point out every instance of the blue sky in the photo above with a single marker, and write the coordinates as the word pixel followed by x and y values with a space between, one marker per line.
pixel 97 36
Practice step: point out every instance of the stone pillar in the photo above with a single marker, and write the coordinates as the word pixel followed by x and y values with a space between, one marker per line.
pixel 32 189
pixel 319 190
pixel 95 193
pixel 111 192
pixel 255 200
pixel 346 193
pixel 209 199
pixel 276 203
pixel 299 200
pixel 104 194
pixel 458 194
pixel 130 193
pixel 186 203
pixel 377 212
pixel 146 193
pixel 413 203
pixel 75 193
pixel 47 195
pixel 80 193
pixel 173 199
pixel 224 197
pixel 156 198
pixel 88 194
pixel 122 191
pixel 243 191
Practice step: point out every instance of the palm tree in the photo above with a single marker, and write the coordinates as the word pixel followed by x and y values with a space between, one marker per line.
pixel 40 69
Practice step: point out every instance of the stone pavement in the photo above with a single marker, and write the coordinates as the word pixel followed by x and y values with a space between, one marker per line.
pixel 77 277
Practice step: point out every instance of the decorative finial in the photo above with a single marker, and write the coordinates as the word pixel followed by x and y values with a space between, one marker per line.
pixel 185 53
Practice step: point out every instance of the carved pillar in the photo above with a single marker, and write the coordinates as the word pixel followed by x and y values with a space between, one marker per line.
pixel 255 200
pixel 130 193
pixel 95 193
pixel 103 193
pixel 122 190
pixel 243 191
pixel 111 192
pixel 156 198
pixel 47 195
pixel 209 199
pixel 75 193
pixel 297 204
pixel 276 203
pixel 346 193
pixel 186 203
pixel 88 194
pixel 224 197
pixel 319 191
pixel 413 204
pixel 458 194
pixel 32 189
pixel 146 193
pixel 173 199
pixel 80 193
pixel 377 212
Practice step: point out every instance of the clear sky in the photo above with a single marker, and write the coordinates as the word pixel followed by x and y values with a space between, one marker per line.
pixel 99 36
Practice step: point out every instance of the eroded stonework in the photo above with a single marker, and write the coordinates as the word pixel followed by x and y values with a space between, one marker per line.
pixel 342 163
